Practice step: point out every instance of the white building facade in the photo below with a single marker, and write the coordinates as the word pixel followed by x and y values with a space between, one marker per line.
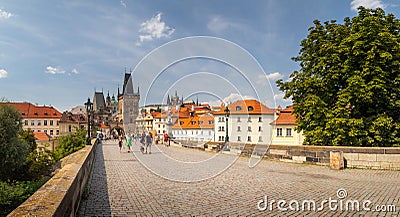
pixel 248 122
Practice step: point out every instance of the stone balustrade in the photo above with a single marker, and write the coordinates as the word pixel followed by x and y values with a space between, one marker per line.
pixel 61 195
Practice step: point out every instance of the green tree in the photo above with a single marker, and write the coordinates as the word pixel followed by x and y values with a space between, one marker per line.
pixel 347 91
pixel 28 137
pixel 12 151
pixel 70 143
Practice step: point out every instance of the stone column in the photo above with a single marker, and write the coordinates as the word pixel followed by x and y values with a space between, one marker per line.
pixel 336 160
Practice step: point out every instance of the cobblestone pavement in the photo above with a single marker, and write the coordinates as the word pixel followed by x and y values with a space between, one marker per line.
pixel 120 185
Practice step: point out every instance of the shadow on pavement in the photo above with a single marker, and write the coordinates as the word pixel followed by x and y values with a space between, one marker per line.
pixel 97 189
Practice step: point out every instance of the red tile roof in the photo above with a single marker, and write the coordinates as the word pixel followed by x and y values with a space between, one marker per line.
pixel 69 117
pixel 247 107
pixel 41 136
pixel 29 110
pixel 285 117
pixel 197 122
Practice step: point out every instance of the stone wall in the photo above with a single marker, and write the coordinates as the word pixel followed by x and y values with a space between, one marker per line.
pixel 61 195
pixel 354 157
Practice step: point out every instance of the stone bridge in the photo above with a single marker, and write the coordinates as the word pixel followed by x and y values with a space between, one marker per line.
pixel 175 181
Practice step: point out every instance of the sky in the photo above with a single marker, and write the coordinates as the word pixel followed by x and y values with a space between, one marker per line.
pixel 59 52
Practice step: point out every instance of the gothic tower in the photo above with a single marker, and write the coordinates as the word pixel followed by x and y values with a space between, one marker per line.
pixel 129 102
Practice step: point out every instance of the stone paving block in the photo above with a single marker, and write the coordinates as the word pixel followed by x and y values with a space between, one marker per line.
pixel 121 186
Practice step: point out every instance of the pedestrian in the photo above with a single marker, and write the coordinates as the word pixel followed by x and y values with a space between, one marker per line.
pixel 149 140
pixel 165 139
pixel 128 142
pixel 120 143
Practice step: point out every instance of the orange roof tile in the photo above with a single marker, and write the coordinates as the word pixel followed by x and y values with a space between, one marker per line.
pixel 197 122
pixel 29 110
pixel 247 107
pixel 285 117
pixel 41 136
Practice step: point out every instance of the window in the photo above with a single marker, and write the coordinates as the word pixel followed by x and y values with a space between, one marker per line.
pixel 221 119
pixel 259 129
pixel 45 122
pixel 159 125
pixel 249 120
pixel 279 132
pixel 238 139
pixel 250 108
pixel 249 128
pixel 45 131
pixel 51 122
pixel 39 130
pixel 32 123
pixel 58 122
pixel 210 122
pixel 39 122
pixel 51 132
pixel 26 122
pixel 69 128
pixel 288 131
pixel 238 129
pixel 238 108
pixel 221 128
pixel 260 139
pixel 221 138
pixel 238 119
pixel 259 119
pixel 249 138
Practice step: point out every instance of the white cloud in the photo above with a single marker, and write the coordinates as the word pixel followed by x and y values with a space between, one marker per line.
pixel 154 29
pixel 235 97
pixel 279 97
pixel 263 79
pixel 123 4
pixel 5 15
pixel 75 71
pixel 218 24
pixel 3 73
pixel 367 4
pixel 54 70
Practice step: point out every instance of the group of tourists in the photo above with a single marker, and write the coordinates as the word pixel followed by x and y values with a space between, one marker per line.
pixel 145 139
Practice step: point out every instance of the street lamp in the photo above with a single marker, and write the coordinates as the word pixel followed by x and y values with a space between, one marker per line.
pixel 89 108
pixel 226 123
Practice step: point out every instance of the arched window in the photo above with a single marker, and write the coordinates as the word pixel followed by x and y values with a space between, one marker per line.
pixel 250 108
pixel 238 108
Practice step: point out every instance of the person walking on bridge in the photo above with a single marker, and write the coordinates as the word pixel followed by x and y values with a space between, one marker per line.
pixel 149 140
pixel 128 142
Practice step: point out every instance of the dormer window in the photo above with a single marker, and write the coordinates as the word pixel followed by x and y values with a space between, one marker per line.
pixel 250 108
pixel 23 113
pixel 238 108
pixel 35 113
pixel 45 113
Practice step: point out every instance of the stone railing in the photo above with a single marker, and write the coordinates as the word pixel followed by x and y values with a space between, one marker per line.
pixel 353 157
pixel 61 195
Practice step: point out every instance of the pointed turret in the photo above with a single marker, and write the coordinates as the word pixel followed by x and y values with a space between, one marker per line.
pixel 168 100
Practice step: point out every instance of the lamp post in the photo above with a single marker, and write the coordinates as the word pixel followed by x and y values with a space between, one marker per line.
pixel 89 108
pixel 226 124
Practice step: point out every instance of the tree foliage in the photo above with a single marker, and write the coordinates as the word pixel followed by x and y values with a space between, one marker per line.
pixel 70 143
pixel 12 151
pixel 347 91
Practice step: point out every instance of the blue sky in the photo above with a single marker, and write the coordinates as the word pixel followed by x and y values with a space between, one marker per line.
pixel 59 52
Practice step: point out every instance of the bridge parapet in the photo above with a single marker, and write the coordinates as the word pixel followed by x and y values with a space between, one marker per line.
pixel 60 196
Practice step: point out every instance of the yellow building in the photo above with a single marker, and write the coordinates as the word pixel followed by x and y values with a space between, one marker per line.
pixel 284 129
